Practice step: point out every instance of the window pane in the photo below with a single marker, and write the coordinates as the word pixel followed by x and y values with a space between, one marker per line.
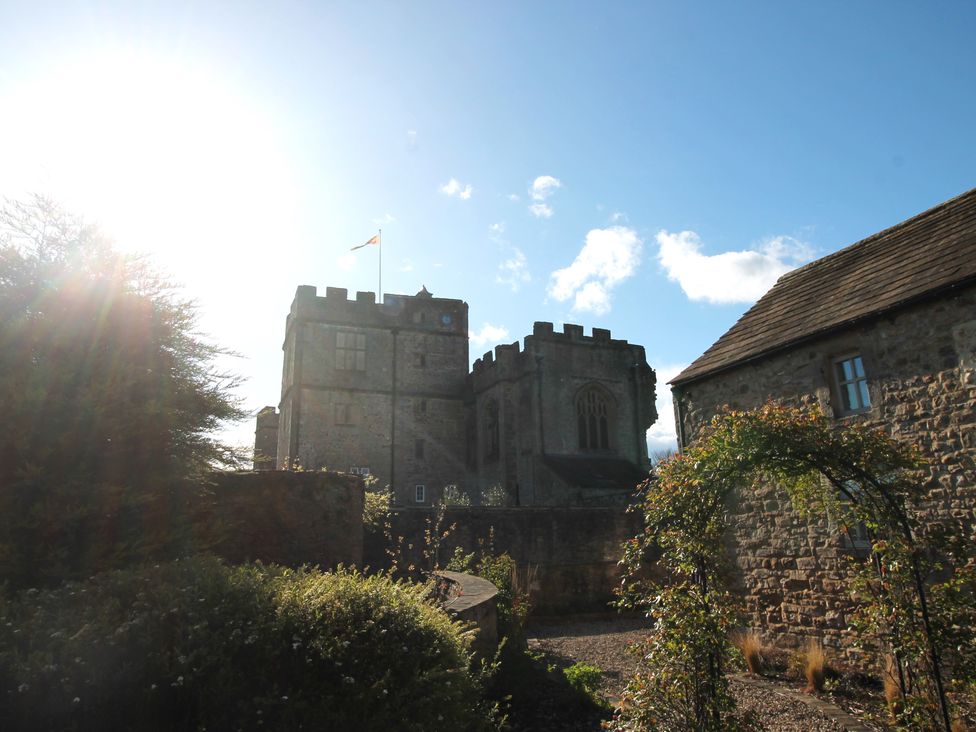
pixel 858 367
pixel 340 339
pixel 361 341
pixel 865 397
pixel 852 401
pixel 361 360
pixel 848 371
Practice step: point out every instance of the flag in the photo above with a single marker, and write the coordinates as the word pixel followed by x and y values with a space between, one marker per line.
pixel 374 240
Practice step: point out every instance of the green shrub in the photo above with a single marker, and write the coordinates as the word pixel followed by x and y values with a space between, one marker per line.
pixel 197 644
pixel 584 677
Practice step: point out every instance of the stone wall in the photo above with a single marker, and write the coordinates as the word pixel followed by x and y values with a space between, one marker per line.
pixel 397 409
pixel 920 369
pixel 569 555
pixel 282 516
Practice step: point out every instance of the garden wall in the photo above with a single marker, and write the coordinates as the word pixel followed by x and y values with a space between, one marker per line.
pixel 569 555
pixel 283 516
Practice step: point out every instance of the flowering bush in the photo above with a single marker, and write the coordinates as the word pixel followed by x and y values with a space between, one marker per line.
pixel 197 644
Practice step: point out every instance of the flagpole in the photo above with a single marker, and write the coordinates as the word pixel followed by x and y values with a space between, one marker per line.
pixel 381 265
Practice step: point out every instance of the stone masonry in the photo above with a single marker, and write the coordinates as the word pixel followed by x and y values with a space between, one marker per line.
pixel 383 389
pixel 919 364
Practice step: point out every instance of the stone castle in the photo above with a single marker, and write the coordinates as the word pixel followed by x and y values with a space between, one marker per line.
pixel 384 389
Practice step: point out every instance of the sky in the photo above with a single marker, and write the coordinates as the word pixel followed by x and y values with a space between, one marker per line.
pixel 646 167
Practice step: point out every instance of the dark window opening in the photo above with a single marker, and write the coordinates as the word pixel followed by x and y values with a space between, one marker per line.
pixel 492 447
pixel 593 420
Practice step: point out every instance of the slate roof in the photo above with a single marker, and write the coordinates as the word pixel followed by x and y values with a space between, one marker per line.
pixel 917 259
pixel 596 472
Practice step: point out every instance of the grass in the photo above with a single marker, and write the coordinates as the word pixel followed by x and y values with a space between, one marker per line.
pixel 752 650
pixel 814 661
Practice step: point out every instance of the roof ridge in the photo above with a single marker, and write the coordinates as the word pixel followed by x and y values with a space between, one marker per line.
pixel 879 234
pixel 933 251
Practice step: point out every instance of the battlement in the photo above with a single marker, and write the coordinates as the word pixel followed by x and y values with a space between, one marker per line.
pixel 421 311
pixel 543 331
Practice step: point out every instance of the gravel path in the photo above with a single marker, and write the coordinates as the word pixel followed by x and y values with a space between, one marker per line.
pixel 603 642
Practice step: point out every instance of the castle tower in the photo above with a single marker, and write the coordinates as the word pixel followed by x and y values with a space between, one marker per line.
pixel 376 389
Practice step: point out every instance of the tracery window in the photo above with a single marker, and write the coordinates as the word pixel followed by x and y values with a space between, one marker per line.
pixel 593 416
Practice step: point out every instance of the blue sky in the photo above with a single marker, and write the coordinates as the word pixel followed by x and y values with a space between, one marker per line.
pixel 644 167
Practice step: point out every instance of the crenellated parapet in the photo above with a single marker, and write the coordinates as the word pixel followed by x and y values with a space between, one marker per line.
pixel 413 312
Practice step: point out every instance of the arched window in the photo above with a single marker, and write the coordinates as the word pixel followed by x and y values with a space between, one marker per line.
pixel 593 418
pixel 491 430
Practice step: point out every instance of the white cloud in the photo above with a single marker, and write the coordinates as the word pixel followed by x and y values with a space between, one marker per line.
pixel 541 210
pixel 346 261
pixel 488 335
pixel 729 277
pixel 543 186
pixel 513 196
pixel 497 229
pixel 454 188
pixel 662 435
pixel 594 298
pixel 608 257
pixel 514 271
pixel 617 217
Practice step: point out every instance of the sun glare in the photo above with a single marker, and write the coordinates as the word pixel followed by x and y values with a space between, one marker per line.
pixel 168 157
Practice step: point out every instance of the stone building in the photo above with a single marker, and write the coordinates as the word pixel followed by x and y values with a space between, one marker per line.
pixel 384 389
pixel 883 332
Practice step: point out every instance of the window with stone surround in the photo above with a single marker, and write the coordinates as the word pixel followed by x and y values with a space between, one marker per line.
pixel 350 351
pixel 363 471
pixel 345 414
pixel 420 493
pixel 851 384
pixel 492 444
pixel 594 416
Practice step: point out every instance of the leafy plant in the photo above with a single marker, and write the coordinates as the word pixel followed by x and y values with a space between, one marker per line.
pixel 585 678
pixel 197 644
pixel 913 590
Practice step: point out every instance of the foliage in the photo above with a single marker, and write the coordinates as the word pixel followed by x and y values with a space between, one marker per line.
pixel 494 495
pixel 196 644
pixel 101 374
pixel 376 508
pixel 584 677
pixel 853 474
pixel 453 496
pixel 104 382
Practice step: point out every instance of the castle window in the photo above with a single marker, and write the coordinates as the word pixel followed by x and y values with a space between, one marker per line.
pixel 344 414
pixel 491 431
pixel 364 471
pixel 593 419
pixel 420 493
pixel 852 384
pixel 350 351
